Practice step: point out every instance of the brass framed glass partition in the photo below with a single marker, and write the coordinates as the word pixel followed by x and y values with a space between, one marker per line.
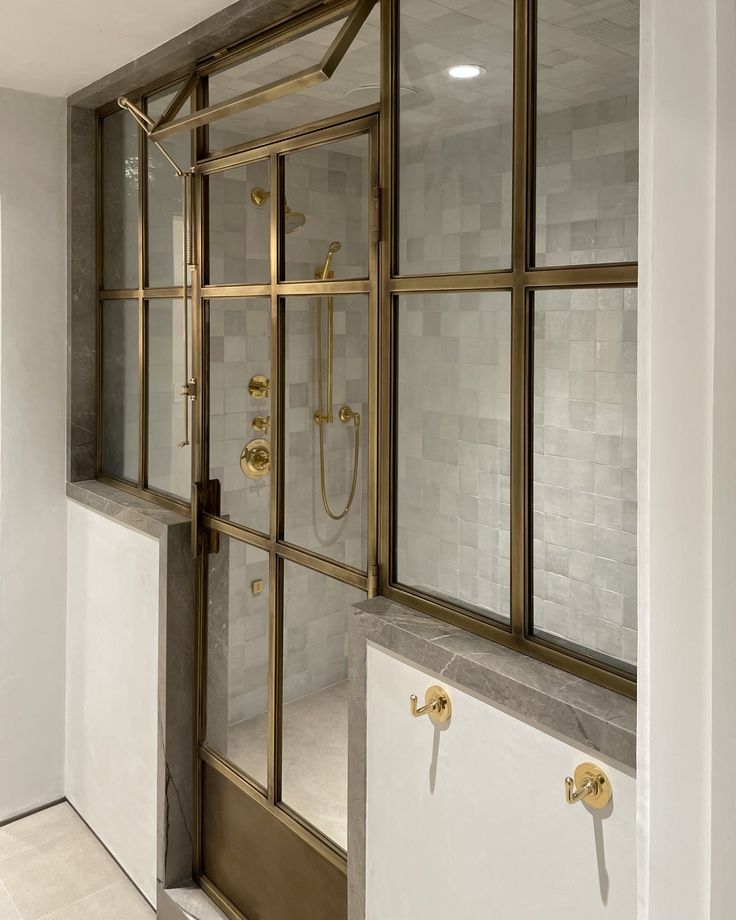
pixel 467 427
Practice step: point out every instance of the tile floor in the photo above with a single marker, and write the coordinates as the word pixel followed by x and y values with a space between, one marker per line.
pixel 53 868
pixel 315 757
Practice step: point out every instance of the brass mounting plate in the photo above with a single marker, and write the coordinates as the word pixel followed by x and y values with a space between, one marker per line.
pixel 255 460
pixel 442 711
pixel 601 796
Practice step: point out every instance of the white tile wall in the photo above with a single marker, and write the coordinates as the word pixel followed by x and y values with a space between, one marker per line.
pixel 585 496
pixel 453 447
pixel 330 186
pixel 453 484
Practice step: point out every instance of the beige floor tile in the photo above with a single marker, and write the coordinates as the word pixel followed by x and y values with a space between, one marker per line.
pixel 120 901
pixel 58 873
pixel 7 908
pixel 44 826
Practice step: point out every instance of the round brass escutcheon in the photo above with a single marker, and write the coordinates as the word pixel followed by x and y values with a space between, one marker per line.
pixel 437 698
pixel 600 795
pixel 255 461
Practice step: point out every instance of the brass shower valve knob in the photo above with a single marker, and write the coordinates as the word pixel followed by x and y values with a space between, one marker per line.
pixel 259 386
pixel 262 423
pixel 255 460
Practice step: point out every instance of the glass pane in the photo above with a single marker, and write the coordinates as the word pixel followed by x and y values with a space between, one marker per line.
pixel 237 656
pixel 452 487
pixel 588 146
pixel 455 136
pixel 239 350
pixel 327 455
pixel 120 201
pixel 327 220
pixel 239 237
pixel 315 714
pixel 169 458
pixel 354 84
pixel 165 223
pixel 120 388
pixel 585 499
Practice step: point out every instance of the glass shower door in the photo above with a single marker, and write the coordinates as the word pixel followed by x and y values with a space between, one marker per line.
pixel 290 338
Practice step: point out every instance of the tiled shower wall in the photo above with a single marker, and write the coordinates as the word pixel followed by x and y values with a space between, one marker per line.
pixel 453 476
pixel 329 186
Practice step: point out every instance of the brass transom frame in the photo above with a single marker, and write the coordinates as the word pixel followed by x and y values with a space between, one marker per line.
pixel 385 285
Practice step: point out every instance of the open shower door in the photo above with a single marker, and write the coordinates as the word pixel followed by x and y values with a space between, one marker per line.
pixel 284 508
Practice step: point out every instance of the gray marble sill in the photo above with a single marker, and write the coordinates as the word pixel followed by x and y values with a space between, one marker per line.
pixel 187 903
pixel 580 712
pixel 123 507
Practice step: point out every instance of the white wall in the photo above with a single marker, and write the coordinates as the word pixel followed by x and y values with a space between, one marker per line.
pixel 688 438
pixel 471 822
pixel 32 448
pixel 112 686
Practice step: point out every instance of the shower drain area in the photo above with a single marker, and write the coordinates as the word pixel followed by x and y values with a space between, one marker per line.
pixel 314 755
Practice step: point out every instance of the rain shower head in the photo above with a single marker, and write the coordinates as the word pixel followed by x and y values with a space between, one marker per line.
pixel 293 220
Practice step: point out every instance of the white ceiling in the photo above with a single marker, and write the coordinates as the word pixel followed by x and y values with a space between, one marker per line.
pixel 57 48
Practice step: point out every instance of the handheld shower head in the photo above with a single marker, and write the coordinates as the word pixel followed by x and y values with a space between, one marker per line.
pixel 323 271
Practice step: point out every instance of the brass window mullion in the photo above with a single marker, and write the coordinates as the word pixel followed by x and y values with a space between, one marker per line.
pixel 142 326
pixel 386 388
pixel 276 507
pixel 522 234
pixel 142 394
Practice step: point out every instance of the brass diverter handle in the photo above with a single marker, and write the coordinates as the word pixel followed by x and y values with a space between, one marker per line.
pixel 255 460
pixel 588 783
pixel 259 386
pixel 437 705
pixel 262 423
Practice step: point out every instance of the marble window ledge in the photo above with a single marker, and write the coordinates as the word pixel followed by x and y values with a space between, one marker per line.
pixel 575 709
pixel 123 507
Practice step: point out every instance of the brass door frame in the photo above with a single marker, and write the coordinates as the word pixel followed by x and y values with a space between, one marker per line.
pixel 205 520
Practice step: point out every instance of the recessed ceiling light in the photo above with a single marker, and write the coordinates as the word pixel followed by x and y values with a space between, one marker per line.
pixel 465 71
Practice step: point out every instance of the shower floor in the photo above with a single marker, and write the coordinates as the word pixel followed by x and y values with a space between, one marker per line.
pixel 315 749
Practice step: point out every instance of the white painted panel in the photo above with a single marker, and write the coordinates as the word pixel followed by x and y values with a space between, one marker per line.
pixel 32 448
pixel 470 822
pixel 112 648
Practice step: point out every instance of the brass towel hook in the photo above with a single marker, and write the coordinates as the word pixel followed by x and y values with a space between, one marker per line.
pixel 437 705
pixel 590 783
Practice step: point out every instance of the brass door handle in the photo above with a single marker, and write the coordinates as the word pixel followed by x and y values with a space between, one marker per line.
pixel 437 705
pixel 588 783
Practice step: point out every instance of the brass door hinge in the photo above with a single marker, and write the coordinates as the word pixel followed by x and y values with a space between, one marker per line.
pixel 205 500
pixel 376 214
pixel 188 389
pixel 372 580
